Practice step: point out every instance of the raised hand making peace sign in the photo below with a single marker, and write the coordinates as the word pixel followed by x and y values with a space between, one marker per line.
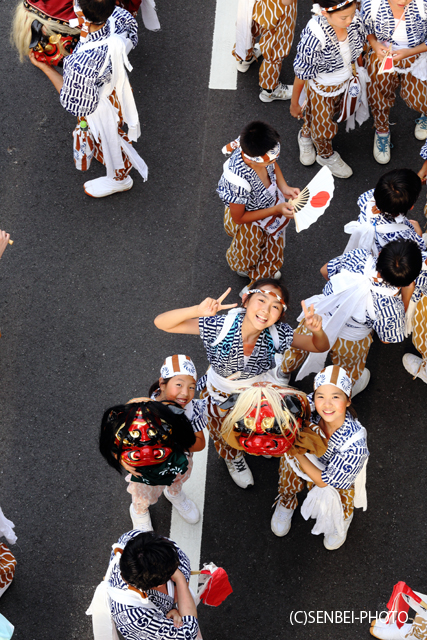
pixel 210 306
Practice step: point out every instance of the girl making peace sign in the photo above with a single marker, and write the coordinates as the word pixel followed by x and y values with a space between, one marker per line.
pixel 241 347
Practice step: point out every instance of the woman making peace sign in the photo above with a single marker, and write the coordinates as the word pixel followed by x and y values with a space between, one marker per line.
pixel 241 347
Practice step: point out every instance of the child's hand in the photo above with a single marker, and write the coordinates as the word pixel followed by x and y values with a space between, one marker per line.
pixel 380 49
pixel 423 172
pixel 37 63
pixel 296 110
pixel 417 227
pixel 130 469
pixel 285 209
pixel 291 192
pixel 174 615
pixel 312 320
pixel 210 306
pixel 401 54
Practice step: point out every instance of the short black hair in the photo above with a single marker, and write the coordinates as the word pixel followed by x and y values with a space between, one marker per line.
pixel 97 11
pixel 257 138
pixel 397 191
pixel 148 561
pixel 399 262
pixel 328 4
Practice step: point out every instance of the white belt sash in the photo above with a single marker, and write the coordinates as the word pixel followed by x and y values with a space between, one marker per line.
pixel 362 234
pixel 351 298
pixel 104 120
pixel 244 27
pixel 324 503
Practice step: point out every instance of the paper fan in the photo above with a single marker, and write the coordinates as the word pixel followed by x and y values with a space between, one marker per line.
pixel 311 203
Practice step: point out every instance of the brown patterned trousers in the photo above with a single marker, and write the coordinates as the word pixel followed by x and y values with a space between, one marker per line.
pixel 274 24
pixel 252 251
pixel 290 484
pixel 419 330
pixel 318 119
pixel 348 354
pixel 383 86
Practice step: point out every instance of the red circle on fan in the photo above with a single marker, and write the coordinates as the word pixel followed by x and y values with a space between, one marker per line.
pixel 320 199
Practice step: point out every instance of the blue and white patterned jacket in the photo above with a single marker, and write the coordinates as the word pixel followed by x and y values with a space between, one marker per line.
pixel 258 198
pixel 80 91
pixel 140 623
pixel 342 467
pixel 383 238
pixel 421 281
pixel 314 57
pixel 384 25
pixel 227 357
pixel 389 323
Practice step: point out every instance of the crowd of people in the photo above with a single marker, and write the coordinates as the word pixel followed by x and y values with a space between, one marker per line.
pixel 350 58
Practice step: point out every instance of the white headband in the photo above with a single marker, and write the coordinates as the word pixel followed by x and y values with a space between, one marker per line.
pixel 271 155
pixel 270 293
pixel 336 376
pixel 178 365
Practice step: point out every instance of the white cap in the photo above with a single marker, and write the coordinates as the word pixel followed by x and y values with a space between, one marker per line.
pixel 176 365
pixel 336 376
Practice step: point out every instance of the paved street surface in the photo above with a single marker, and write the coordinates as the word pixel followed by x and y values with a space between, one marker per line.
pixel 80 288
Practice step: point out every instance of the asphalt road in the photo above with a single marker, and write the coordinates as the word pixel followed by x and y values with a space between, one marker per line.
pixel 80 288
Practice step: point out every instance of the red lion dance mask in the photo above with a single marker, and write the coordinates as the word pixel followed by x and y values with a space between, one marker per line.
pixel 264 419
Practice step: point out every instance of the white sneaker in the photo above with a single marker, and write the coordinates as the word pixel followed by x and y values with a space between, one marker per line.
pixel 140 521
pixel 389 631
pixel 104 186
pixel 239 471
pixel 243 65
pixel 281 520
pixel 242 274
pixel 281 92
pixel 307 150
pixel 415 366
pixel 336 164
pixel 277 275
pixel 421 128
pixel 361 383
pixel 382 146
pixel 185 507
pixel 334 541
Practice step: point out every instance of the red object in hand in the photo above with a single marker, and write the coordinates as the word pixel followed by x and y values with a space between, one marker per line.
pixel 217 589
pixel 388 64
pixel 320 199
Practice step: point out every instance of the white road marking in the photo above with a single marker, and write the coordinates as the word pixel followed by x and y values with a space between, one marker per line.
pixel 223 66
pixel 189 536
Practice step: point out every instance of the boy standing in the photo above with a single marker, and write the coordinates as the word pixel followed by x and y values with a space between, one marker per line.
pixel 397 30
pixel 273 21
pixel 252 187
